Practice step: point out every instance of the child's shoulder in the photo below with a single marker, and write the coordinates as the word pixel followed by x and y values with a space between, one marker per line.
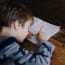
pixel 7 42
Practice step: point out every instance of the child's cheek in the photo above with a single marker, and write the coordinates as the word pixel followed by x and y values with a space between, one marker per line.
pixel 26 32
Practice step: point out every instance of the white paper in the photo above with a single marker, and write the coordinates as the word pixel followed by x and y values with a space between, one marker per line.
pixel 48 29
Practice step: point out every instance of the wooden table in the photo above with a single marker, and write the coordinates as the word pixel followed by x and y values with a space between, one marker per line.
pixel 59 54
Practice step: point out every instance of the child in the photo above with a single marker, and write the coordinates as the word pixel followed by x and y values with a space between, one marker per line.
pixel 15 21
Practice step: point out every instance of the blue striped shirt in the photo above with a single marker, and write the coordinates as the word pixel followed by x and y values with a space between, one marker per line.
pixel 11 53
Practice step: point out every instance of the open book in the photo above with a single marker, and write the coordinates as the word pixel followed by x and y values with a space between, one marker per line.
pixel 48 29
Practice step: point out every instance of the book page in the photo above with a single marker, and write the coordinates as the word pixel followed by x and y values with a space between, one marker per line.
pixel 48 29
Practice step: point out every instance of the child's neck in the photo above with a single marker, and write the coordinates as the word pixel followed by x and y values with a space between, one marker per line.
pixel 5 32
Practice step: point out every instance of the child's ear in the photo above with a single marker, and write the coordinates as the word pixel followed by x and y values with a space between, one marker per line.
pixel 16 25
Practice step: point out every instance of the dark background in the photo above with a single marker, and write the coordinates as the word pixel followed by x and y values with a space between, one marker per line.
pixel 52 11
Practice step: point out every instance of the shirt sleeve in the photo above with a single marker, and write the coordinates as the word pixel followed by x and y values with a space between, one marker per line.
pixel 13 54
pixel 43 54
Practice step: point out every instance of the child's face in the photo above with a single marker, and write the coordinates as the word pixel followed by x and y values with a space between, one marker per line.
pixel 22 32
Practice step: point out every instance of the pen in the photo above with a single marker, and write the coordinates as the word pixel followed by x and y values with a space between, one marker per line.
pixel 39 30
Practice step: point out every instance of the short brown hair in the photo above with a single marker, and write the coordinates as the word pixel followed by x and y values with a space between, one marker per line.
pixel 12 12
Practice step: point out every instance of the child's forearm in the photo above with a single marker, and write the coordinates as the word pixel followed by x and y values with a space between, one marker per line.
pixel 48 45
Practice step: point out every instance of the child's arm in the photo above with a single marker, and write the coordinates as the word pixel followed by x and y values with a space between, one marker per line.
pixel 47 49
pixel 44 51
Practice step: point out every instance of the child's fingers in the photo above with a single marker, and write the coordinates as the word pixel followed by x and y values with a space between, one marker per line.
pixel 40 30
pixel 30 35
pixel 41 35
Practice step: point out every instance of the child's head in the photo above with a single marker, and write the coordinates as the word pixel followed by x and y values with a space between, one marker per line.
pixel 15 19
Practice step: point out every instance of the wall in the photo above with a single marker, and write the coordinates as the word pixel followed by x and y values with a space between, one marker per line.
pixel 51 10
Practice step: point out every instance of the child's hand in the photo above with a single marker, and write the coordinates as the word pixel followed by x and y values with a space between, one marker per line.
pixel 30 35
pixel 41 36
